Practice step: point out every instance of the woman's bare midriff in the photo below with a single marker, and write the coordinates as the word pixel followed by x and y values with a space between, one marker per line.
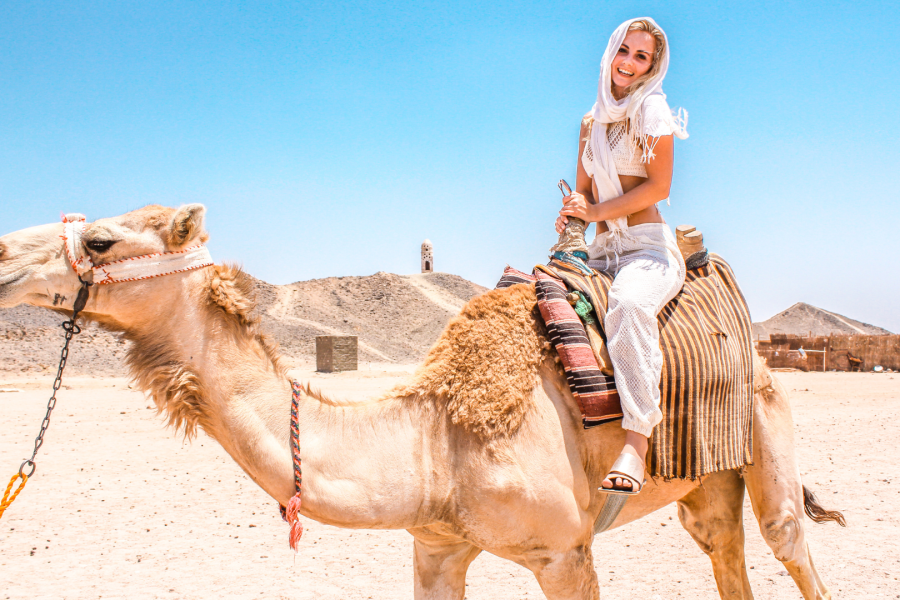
pixel 650 214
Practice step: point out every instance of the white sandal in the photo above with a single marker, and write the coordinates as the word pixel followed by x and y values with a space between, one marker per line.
pixel 629 467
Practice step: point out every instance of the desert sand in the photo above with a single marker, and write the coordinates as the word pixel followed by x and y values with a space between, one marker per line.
pixel 122 507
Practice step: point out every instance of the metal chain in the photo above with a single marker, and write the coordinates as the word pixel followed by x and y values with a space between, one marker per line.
pixel 72 329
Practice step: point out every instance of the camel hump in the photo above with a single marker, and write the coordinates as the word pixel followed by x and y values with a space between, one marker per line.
pixel 484 367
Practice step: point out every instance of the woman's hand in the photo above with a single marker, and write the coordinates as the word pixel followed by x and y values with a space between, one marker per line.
pixel 561 224
pixel 575 205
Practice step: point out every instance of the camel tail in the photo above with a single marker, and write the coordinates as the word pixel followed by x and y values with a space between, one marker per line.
pixel 817 513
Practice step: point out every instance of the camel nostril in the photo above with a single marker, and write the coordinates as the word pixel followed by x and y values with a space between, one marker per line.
pixel 2 249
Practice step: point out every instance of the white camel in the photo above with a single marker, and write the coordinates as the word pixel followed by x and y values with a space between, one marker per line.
pixel 482 449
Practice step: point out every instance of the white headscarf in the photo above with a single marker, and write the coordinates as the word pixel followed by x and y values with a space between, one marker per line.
pixel 647 111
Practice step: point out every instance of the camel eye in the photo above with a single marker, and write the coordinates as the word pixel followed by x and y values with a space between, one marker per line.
pixel 100 245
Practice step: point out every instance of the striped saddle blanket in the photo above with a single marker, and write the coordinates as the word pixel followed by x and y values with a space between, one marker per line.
pixel 707 376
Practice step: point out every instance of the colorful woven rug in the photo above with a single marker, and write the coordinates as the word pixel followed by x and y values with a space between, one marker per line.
pixel 595 392
pixel 707 377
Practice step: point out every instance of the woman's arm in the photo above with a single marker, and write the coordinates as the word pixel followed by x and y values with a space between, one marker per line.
pixel 649 192
pixel 583 183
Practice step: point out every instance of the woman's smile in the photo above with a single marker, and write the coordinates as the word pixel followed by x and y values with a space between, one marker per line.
pixel 633 60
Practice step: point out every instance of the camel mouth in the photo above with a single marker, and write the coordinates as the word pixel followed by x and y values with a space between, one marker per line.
pixel 13 277
pixel 7 289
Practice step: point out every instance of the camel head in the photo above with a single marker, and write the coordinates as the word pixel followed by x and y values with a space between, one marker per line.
pixel 36 269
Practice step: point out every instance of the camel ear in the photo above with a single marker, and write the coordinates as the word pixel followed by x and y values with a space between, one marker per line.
pixel 187 225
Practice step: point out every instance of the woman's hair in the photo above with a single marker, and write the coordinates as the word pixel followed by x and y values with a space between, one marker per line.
pixel 658 54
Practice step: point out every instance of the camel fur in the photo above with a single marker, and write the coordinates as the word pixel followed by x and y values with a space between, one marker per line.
pixel 482 450
pixel 484 367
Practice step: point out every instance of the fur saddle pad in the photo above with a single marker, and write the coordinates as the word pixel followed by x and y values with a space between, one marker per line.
pixel 707 376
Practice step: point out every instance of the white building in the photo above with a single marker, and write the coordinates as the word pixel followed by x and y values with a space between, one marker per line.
pixel 427 257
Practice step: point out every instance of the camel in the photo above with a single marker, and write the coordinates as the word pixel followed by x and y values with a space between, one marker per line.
pixel 481 450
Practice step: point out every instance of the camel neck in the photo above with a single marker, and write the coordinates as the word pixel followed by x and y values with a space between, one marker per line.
pixel 216 374
pixel 362 462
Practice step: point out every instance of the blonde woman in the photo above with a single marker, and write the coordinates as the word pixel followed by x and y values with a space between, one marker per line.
pixel 624 170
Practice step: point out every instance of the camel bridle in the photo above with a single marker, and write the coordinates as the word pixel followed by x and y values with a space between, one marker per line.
pixel 157 265
pixel 134 268
pixel 127 269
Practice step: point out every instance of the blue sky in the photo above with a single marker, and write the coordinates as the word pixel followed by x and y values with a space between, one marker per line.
pixel 331 138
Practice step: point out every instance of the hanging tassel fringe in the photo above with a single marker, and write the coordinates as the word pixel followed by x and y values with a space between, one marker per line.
pixel 292 516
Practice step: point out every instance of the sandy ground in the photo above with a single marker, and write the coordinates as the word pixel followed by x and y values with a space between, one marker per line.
pixel 121 507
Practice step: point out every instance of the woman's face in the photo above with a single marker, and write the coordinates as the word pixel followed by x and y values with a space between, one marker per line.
pixel 633 60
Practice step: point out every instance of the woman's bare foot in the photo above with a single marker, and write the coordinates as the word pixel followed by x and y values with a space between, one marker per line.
pixel 635 445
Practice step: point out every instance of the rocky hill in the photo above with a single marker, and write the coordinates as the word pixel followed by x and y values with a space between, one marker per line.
pixel 802 318
pixel 397 318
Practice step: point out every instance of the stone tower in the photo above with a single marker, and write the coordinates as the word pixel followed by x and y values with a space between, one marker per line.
pixel 427 257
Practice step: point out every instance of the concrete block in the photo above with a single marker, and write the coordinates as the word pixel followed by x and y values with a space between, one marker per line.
pixel 336 353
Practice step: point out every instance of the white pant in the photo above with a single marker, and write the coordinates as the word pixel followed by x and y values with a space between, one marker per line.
pixel 649 271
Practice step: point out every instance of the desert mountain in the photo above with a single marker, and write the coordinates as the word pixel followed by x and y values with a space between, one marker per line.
pixel 397 318
pixel 802 318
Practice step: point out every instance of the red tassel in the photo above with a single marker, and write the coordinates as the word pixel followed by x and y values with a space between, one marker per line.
pixel 293 517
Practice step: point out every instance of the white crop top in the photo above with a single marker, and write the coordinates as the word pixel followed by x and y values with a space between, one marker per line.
pixel 627 157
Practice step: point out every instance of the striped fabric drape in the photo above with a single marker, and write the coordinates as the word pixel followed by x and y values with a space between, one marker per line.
pixel 707 377
pixel 594 392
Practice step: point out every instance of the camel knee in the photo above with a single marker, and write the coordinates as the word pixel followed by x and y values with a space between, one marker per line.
pixel 784 535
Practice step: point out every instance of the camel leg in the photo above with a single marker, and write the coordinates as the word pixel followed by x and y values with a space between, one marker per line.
pixel 775 489
pixel 568 575
pixel 440 563
pixel 713 514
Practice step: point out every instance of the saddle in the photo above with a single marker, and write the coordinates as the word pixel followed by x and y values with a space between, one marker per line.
pixel 707 380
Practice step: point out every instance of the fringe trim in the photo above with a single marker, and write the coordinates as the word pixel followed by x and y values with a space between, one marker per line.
pixel 292 516
pixel 678 123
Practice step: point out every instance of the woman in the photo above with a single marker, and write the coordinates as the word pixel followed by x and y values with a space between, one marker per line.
pixel 625 168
